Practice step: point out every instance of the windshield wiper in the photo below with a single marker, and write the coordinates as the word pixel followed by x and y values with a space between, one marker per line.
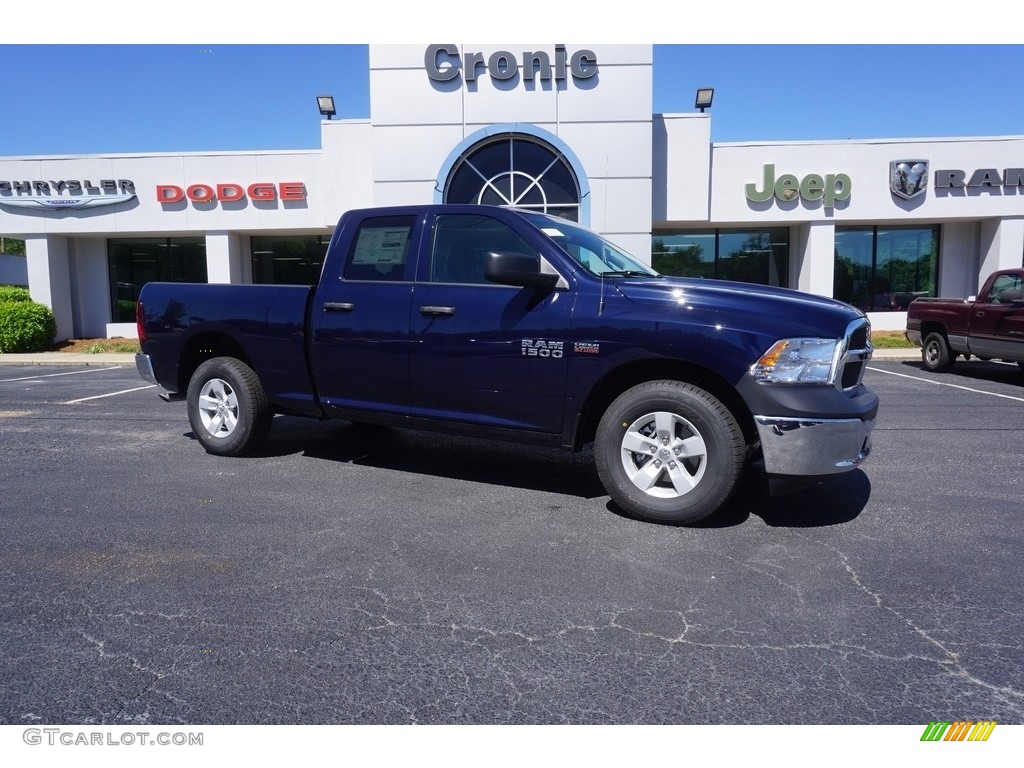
pixel 627 273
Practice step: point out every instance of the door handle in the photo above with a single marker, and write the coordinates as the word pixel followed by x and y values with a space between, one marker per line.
pixel 433 311
pixel 979 314
pixel 338 306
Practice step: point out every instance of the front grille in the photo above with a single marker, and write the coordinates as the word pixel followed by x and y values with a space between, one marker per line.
pixel 852 373
pixel 856 353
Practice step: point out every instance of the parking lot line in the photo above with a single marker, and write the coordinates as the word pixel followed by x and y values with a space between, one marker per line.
pixel 109 394
pixel 945 384
pixel 66 373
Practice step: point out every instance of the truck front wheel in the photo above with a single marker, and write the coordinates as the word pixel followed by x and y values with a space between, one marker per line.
pixel 227 407
pixel 936 354
pixel 669 451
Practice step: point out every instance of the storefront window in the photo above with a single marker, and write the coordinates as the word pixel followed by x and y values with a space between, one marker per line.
pixel 749 256
pixel 12 247
pixel 288 261
pixel 690 255
pixel 515 170
pixel 884 269
pixel 134 262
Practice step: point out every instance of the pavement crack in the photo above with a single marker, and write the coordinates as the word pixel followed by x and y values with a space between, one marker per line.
pixel 951 661
pixel 136 666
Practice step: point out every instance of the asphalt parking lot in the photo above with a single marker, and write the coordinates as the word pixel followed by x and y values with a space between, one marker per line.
pixel 351 575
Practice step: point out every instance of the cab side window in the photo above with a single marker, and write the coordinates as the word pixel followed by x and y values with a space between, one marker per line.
pixel 380 249
pixel 461 244
pixel 1005 289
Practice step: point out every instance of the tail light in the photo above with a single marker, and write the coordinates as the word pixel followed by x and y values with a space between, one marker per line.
pixel 140 322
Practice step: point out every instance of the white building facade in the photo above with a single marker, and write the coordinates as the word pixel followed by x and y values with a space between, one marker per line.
pixel 564 128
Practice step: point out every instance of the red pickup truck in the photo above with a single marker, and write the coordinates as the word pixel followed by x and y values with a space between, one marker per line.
pixel 989 326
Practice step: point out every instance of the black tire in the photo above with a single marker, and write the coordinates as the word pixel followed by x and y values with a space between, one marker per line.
pixel 666 484
pixel 936 355
pixel 227 407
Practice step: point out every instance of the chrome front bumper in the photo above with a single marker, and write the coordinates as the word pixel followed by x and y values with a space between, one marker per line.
pixel 805 447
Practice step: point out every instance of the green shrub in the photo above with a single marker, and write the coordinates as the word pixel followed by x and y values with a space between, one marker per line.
pixel 14 293
pixel 25 326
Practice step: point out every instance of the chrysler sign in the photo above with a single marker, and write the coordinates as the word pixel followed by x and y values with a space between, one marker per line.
pixel 66 193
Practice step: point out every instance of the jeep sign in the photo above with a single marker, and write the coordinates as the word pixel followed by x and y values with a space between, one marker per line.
pixel 811 188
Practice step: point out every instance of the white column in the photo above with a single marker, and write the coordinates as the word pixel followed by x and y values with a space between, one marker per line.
pixel 959 261
pixel 223 257
pixel 814 250
pixel 49 279
pixel 90 287
pixel 1002 245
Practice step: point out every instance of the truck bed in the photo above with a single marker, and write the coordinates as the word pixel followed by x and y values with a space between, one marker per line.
pixel 268 322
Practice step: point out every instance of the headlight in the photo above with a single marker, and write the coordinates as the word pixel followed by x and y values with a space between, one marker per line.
pixel 797 361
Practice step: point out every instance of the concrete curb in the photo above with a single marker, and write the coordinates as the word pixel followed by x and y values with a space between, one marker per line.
pixel 67 358
pixel 897 355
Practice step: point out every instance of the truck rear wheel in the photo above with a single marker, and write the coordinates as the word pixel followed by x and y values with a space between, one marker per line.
pixel 669 451
pixel 936 354
pixel 227 407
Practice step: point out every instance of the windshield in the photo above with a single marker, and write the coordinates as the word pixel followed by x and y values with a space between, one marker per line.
pixel 588 249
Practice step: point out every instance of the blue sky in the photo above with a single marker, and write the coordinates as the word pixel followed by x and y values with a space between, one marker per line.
pixel 844 76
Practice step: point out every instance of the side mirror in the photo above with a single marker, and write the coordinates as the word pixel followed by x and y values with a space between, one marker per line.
pixel 518 269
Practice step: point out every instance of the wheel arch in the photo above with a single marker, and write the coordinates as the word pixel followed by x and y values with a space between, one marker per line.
pixel 204 346
pixel 617 381
pixel 933 326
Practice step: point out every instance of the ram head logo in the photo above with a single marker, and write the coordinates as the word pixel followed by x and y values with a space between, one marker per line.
pixel 908 178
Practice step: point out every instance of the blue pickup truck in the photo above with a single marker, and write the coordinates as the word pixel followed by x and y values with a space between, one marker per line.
pixel 515 325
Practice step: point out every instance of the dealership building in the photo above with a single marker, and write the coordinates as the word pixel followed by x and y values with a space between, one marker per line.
pixel 560 128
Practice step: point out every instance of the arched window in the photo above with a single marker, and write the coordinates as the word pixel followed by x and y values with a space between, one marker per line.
pixel 515 170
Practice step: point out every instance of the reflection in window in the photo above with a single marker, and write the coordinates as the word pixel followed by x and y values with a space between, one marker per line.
pixel 133 262
pixel 749 256
pixel 515 170
pixel 12 247
pixel 461 245
pixel 1006 289
pixel 288 260
pixel 884 269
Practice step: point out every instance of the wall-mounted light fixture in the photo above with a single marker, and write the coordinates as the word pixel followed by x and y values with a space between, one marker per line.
pixel 326 104
pixel 704 97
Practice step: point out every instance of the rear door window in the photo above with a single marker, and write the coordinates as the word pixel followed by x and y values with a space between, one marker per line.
pixel 380 250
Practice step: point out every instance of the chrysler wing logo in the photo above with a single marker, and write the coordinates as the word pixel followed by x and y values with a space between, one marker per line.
pixel 91 201
pixel 908 178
